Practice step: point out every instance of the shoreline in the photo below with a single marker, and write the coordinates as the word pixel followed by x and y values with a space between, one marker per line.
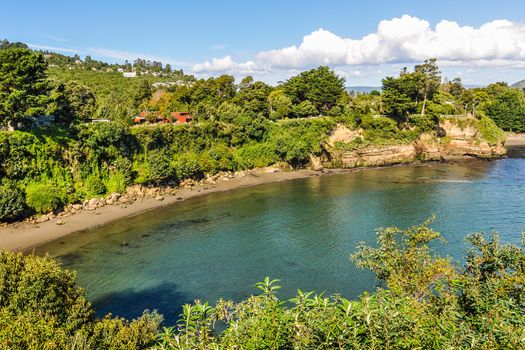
pixel 515 140
pixel 25 236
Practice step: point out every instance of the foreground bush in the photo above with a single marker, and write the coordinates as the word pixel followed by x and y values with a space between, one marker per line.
pixel 425 303
pixel 41 307
pixel 428 303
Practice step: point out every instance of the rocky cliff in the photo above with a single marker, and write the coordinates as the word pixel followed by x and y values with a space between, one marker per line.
pixel 454 138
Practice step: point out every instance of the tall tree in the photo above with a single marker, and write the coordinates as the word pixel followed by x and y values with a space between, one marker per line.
pixel 321 86
pixel 72 101
pixel 400 95
pixel 23 85
pixel 429 80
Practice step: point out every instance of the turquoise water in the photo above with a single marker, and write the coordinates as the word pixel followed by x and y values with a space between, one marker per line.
pixel 300 231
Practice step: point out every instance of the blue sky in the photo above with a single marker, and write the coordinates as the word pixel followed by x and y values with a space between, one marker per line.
pixel 241 35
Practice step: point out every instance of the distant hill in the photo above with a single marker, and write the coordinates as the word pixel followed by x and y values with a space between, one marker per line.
pixel 520 84
pixel 368 89
pixel 362 89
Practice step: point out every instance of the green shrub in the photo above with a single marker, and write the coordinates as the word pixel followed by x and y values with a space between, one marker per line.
pixel 187 165
pixel 422 122
pixel 379 127
pixel 12 203
pixel 256 155
pixel 43 197
pixel 41 307
pixel 116 183
pixel 159 166
pixel 490 131
pixel 120 334
pixel 124 166
pixel 94 185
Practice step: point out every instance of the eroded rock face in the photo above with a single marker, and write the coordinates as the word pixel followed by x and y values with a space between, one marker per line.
pixel 343 134
pixel 377 156
pixel 460 139
pixel 459 131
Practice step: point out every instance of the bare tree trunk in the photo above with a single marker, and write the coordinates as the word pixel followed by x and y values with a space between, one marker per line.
pixel 424 104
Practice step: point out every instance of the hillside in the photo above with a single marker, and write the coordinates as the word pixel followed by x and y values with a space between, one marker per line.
pixel 519 85
pixel 362 89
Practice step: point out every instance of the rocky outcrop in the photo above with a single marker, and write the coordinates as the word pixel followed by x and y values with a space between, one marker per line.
pixel 377 156
pixel 136 193
pixel 456 139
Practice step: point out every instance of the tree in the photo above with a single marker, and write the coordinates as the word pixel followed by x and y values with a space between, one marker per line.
pixel 5 44
pixel 429 80
pixel 305 109
pixel 402 96
pixel 454 87
pixel 74 101
pixel 23 85
pixel 397 97
pixel 224 87
pixel 321 86
pixel 280 105
pixel 253 97
pixel 42 307
pixel 472 99
pixel 506 108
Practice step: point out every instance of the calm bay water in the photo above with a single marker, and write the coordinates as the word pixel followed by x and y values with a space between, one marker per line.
pixel 300 231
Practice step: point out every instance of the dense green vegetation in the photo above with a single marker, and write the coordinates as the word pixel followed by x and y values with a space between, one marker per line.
pixel 424 302
pixel 44 166
pixel 41 307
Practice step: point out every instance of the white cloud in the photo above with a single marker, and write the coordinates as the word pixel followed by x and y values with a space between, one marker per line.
pixel 56 49
pixel 225 64
pixel 112 54
pixel 399 40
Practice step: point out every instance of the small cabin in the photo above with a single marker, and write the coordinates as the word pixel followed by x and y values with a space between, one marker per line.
pixel 182 117
pixel 139 120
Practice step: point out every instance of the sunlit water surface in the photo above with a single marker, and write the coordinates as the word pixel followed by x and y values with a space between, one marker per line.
pixel 300 231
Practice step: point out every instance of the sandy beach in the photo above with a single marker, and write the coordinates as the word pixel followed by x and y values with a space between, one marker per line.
pixel 25 236
pixel 515 140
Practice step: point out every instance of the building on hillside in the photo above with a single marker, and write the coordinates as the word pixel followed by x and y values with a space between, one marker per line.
pixel 162 84
pixel 100 120
pixel 139 120
pixel 182 117
pixel 151 117
pixel 156 118
pixel 129 74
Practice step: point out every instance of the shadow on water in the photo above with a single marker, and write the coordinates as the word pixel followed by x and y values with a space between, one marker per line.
pixel 130 303
pixel 516 152
pixel 68 260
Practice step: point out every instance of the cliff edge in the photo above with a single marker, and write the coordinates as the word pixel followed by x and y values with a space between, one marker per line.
pixel 454 137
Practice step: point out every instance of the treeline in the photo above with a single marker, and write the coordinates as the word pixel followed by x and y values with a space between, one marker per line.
pixel 414 97
pixel 426 302
pixel 235 127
